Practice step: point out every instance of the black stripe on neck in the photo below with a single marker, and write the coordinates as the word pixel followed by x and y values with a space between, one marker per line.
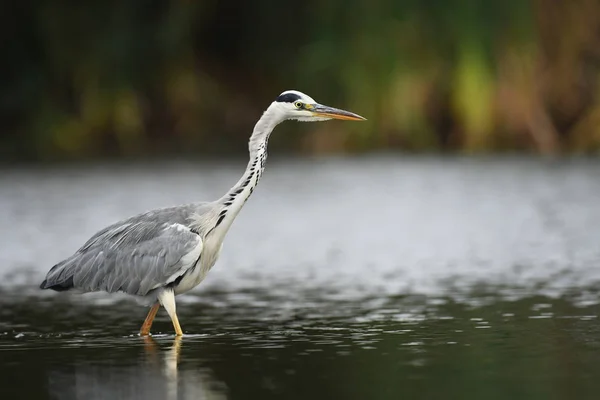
pixel 233 196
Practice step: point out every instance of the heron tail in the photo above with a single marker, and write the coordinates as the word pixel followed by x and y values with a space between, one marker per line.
pixel 56 280
pixel 59 287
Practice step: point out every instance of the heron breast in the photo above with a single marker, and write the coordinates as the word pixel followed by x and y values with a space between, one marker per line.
pixel 196 275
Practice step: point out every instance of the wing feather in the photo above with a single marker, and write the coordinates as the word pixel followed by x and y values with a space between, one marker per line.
pixel 132 257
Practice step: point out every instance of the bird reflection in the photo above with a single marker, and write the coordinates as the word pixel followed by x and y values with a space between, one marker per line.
pixel 172 357
pixel 111 375
pixel 170 365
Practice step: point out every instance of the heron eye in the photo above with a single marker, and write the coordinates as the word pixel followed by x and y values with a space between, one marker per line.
pixel 298 104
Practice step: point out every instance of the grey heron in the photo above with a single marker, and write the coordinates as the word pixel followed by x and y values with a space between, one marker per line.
pixel 162 253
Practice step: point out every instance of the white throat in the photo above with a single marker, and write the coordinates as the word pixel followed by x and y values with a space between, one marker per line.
pixel 236 197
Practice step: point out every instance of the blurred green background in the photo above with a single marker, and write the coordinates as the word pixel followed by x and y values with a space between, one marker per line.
pixel 143 78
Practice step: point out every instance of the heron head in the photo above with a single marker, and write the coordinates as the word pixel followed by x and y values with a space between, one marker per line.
pixel 299 106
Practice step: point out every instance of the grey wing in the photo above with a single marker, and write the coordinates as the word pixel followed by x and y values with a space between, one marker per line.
pixel 134 257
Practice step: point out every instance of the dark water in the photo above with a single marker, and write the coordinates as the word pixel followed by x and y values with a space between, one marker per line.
pixel 356 279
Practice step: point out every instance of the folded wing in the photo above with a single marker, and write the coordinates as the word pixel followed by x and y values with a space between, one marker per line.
pixel 134 257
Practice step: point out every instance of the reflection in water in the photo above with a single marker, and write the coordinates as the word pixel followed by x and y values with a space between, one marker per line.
pixel 401 347
pixel 153 375
pixel 170 367
pixel 480 281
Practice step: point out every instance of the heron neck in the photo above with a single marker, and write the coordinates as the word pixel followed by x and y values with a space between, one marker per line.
pixel 237 196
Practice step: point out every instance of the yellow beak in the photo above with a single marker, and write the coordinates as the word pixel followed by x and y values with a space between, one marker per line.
pixel 336 113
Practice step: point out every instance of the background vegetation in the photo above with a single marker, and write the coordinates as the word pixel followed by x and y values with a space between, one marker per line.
pixel 147 77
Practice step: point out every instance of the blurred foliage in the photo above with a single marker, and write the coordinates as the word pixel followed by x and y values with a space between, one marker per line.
pixel 121 78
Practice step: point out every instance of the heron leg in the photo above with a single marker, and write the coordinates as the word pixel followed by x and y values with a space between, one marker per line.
pixel 167 299
pixel 145 330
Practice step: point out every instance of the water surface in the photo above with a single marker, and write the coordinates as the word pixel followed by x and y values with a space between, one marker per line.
pixel 342 278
